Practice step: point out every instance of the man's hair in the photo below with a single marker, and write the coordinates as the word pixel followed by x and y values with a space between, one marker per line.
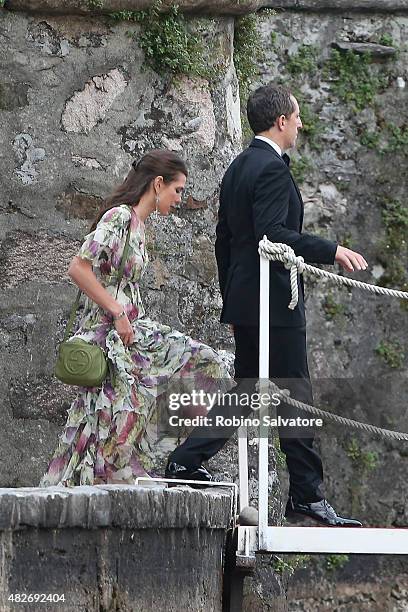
pixel 266 104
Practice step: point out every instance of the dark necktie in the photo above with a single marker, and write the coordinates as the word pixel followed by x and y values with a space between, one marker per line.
pixel 286 159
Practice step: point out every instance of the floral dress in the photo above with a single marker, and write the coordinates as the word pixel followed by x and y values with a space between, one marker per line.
pixel 105 436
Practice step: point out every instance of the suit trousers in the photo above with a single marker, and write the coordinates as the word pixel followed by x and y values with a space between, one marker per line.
pixel 289 369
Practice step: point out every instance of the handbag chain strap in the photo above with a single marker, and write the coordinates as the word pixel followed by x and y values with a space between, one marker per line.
pixel 75 305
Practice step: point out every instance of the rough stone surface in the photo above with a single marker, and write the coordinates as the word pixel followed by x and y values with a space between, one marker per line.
pixel 345 187
pixel 372 48
pixel 385 6
pixel 77 109
pixel 232 7
pixel 121 506
pixel 88 107
pixel 82 8
pixel 47 61
pixel 127 548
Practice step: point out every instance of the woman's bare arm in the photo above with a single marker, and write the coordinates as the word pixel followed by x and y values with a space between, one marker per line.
pixel 80 271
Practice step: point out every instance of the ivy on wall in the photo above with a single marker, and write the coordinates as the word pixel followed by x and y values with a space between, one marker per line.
pixel 168 44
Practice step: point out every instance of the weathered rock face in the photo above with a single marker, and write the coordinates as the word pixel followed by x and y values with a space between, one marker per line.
pixel 76 108
pixel 350 183
pixel 215 7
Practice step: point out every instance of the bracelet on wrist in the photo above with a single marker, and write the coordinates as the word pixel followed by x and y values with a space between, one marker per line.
pixel 120 315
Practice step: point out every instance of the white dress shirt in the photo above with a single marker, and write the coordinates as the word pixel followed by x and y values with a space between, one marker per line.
pixel 270 142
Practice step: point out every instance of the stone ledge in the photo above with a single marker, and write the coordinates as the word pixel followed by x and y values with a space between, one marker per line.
pixel 383 6
pixel 81 7
pixel 213 7
pixel 123 506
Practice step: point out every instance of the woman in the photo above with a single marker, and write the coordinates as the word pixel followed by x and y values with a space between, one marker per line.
pixel 104 440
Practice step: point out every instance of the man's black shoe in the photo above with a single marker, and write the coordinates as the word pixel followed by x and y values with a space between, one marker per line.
pixel 175 470
pixel 320 511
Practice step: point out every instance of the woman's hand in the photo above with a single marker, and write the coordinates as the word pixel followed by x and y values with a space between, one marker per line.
pixel 124 329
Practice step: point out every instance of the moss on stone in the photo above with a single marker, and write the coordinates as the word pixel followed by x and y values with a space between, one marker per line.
pixel 353 78
pixel 168 44
pixel 304 62
pixel 391 352
pixel 394 248
pixel 95 4
pixel 332 308
pixel 248 54
pixel 363 461
pixel 335 562
pixel 289 564
pixel 313 128
pixel 300 167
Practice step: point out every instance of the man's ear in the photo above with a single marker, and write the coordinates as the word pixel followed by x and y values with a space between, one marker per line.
pixel 281 120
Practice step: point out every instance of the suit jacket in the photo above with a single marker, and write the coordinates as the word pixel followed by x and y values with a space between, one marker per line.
pixel 260 197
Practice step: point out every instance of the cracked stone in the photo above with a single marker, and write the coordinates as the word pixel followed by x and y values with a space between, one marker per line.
pixel 78 205
pixel 13 96
pixel 88 107
pixel 28 155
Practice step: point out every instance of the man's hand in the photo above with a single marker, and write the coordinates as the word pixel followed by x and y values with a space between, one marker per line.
pixel 350 260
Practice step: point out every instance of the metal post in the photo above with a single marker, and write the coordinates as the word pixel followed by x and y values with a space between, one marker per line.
pixel 263 388
pixel 243 467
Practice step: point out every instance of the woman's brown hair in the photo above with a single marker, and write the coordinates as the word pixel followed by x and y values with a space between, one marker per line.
pixel 159 162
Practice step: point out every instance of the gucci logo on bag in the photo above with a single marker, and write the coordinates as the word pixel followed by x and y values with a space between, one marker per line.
pixel 78 362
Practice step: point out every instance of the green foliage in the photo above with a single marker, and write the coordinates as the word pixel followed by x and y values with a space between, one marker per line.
pixel 386 39
pixel 346 241
pixel 392 353
pixel 164 38
pixel 398 142
pixel 334 562
pixel 290 564
pixel 248 54
pixel 303 62
pixel 279 455
pixel 248 51
pixel 2 3
pixel 364 461
pixel 395 218
pixel 95 4
pixel 355 81
pixel 331 307
pixel 312 126
pixel 370 139
pixel 300 167
pixel 394 249
pixel 397 139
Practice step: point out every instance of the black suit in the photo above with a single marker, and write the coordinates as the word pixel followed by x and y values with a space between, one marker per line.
pixel 259 197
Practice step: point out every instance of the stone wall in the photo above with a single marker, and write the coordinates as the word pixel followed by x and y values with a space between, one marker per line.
pixel 113 547
pixel 350 161
pixel 76 108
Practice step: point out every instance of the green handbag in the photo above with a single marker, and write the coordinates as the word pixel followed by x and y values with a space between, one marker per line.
pixel 79 362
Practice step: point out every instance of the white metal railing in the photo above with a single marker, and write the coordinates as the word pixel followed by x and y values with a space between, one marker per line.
pixel 265 538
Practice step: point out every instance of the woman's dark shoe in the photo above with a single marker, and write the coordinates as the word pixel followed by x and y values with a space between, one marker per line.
pixel 320 511
pixel 181 472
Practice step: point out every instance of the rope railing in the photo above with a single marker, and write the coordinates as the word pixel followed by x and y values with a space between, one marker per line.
pixel 276 251
pixel 384 433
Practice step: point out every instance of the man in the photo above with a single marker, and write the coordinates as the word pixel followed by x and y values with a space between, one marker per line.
pixel 260 197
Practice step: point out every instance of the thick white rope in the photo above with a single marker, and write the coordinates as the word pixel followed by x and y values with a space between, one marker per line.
pixel 276 251
pixel 384 433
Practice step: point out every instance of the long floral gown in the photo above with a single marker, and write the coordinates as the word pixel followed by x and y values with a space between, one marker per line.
pixel 104 439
